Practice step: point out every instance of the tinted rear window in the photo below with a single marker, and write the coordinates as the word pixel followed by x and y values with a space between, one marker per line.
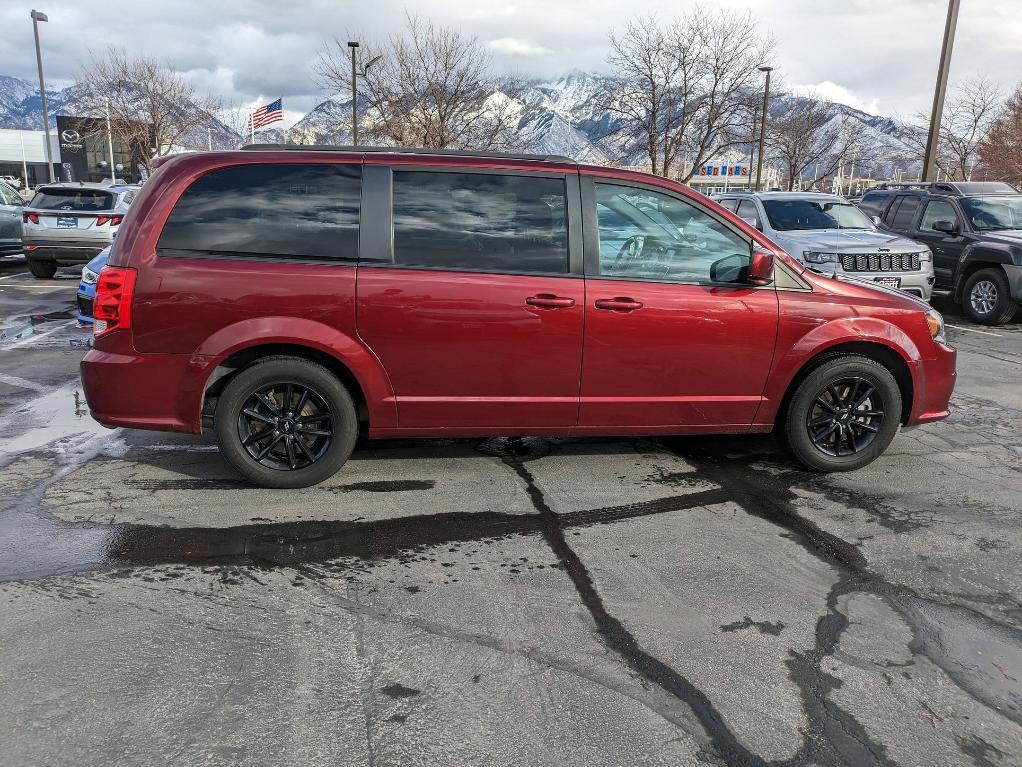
pixel 903 212
pixel 872 203
pixel 285 211
pixel 480 221
pixel 84 200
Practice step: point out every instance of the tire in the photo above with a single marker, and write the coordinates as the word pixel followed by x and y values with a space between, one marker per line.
pixel 44 270
pixel 827 393
pixel 988 288
pixel 263 389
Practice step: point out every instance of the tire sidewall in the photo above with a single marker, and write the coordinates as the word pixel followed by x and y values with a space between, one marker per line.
pixel 797 432
pixel 1003 309
pixel 299 371
pixel 40 269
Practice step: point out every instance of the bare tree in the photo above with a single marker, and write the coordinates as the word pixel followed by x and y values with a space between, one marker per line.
pixel 433 87
pixel 811 139
pixel 686 90
pixel 1000 151
pixel 151 105
pixel 968 114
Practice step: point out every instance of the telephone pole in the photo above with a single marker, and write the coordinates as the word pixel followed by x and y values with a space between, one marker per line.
pixel 933 138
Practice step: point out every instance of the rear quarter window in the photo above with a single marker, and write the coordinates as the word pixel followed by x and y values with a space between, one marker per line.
pixel 271 211
pixel 872 203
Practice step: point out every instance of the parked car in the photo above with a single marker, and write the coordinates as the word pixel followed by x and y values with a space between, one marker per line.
pixel 831 235
pixel 87 285
pixel 975 232
pixel 287 300
pixel 10 220
pixel 70 223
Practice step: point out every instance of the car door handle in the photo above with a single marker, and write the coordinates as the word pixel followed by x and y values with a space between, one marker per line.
pixel 619 304
pixel 550 301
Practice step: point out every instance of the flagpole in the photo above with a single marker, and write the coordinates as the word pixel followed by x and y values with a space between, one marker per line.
pixel 251 125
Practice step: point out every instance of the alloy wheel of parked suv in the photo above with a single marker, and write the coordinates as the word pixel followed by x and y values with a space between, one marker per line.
pixel 844 414
pixel 987 298
pixel 286 422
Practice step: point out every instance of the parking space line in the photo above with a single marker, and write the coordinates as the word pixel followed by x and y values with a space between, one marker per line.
pixel 973 330
pixel 9 276
pixel 40 336
pixel 22 383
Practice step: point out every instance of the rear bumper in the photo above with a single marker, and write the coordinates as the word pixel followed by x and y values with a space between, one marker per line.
pixel 934 383
pixel 162 392
pixel 63 253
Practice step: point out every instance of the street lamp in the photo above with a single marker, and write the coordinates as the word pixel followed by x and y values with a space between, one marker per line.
pixel 354 89
pixel 762 124
pixel 38 16
pixel 933 137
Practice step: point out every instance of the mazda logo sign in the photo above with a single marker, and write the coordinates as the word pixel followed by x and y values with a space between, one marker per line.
pixel 70 136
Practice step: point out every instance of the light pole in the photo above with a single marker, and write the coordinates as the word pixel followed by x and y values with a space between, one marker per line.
pixel 38 16
pixel 933 138
pixel 762 125
pixel 354 89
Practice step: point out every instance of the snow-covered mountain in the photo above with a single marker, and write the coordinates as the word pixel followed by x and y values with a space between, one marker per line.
pixel 564 116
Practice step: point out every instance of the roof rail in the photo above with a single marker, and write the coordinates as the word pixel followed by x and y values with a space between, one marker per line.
pixel 403 150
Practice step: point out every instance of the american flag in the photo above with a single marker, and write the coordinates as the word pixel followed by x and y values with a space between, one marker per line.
pixel 271 113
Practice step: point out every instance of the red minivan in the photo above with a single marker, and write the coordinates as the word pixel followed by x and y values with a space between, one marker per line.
pixel 289 298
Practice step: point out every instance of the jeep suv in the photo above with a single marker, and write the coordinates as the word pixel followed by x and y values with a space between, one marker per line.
pixel 289 299
pixel 831 235
pixel 975 232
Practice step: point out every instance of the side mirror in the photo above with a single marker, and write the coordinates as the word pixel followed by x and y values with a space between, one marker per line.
pixel 751 222
pixel 732 269
pixel 947 227
pixel 875 220
pixel 761 268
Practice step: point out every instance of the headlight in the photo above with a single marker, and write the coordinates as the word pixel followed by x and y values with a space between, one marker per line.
pixel 89 277
pixel 925 255
pixel 815 257
pixel 936 325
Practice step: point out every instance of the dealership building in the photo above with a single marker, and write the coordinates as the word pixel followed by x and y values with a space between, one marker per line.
pixel 24 152
pixel 80 151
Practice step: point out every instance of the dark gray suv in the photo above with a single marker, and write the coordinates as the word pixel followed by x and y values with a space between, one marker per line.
pixel 975 232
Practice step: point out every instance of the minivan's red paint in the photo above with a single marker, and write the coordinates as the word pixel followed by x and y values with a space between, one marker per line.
pixel 440 353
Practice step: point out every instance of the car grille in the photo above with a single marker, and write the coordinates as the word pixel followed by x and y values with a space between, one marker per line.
pixel 85 306
pixel 880 262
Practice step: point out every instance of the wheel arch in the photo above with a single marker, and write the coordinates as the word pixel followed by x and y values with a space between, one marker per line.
pixel 878 352
pixel 242 358
pixel 974 259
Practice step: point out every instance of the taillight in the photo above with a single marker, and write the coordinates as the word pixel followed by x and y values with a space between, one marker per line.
pixel 32 218
pixel 111 309
pixel 114 220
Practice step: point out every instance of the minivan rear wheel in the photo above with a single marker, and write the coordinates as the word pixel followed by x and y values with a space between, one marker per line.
pixel 987 299
pixel 286 422
pixel 42 269
pixel 843 415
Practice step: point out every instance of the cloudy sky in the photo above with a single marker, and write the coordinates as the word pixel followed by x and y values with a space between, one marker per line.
pixel 878 55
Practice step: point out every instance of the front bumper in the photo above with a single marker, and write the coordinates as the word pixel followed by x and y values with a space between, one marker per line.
pixel 934 382
pixel 1014 281
pixel 162 392
pixel 85 297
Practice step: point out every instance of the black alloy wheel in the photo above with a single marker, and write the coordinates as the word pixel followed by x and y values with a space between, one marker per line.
pixel 286 422
pixel 845 417
pixel 286 426
pixel 843 414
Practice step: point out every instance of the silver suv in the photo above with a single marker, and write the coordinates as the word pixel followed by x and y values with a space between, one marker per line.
pixel 830 234
pixel 70 223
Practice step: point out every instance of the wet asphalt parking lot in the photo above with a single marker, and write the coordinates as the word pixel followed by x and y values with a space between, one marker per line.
pixel 494 602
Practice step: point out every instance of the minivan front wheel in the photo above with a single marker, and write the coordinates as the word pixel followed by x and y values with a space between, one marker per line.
pixel 286 422
pixel 844 414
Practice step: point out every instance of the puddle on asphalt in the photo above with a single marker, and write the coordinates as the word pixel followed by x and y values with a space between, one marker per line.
pixel 59 419
pixel 19 328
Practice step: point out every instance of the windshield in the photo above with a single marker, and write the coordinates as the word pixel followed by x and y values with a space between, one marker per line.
pixel 988 213
pixel 785 215
pixel 72 199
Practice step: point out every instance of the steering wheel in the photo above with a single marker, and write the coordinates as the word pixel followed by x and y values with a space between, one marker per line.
pixel 631 250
